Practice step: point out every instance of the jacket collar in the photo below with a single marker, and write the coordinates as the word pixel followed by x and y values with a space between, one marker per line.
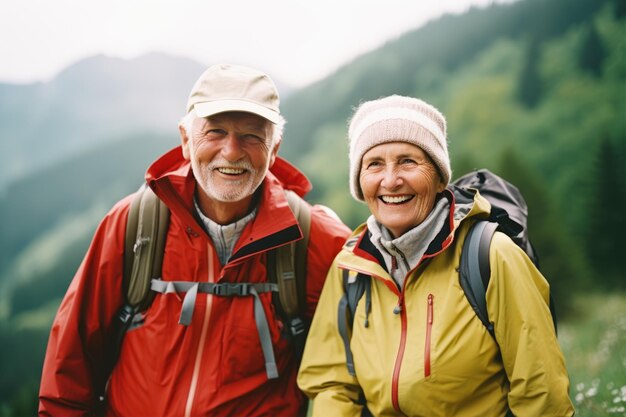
pixel 172 180
pixel 474 205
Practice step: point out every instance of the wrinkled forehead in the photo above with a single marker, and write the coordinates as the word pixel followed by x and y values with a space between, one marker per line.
pixel 397 148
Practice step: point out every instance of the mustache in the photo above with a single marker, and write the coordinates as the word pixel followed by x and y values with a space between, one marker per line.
pixel 222 163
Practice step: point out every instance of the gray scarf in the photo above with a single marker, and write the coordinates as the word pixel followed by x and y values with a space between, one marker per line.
pixel 403 253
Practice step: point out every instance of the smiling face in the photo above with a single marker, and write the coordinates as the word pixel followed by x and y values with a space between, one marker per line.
pixel 230 154
pixel 400 185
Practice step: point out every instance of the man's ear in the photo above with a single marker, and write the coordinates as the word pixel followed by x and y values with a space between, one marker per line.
pixel 184 140
pixel 275 151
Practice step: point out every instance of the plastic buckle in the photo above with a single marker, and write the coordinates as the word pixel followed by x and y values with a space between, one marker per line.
pixel 296 326
pixel 231 290
pixel 219 289
pixel 126 313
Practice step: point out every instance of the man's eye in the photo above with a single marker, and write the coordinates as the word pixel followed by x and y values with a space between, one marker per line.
pixel 216 132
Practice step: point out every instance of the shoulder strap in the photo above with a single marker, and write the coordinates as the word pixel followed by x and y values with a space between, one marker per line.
pixel 475 273
pixel 146 230
pixel 354 286
pixel 287 267
pixel 290 261
pixel 474 270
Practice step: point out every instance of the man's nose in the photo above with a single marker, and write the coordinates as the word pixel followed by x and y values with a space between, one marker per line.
pixel 231 148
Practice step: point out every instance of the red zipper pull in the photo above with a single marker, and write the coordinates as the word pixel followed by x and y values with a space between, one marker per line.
pixel 394 264
pixel 430 309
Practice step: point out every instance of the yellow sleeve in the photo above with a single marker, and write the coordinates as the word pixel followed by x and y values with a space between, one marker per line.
pixel 323 374
pixel 518 305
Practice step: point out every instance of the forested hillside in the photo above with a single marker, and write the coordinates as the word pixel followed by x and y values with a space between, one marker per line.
pixel 531 90
pixel 534 90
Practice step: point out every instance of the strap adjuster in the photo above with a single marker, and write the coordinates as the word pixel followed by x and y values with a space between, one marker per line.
pixel 230 290
pixel 296 326
pixel 126 313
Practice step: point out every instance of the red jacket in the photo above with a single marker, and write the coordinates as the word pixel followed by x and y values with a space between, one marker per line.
pixel 214 366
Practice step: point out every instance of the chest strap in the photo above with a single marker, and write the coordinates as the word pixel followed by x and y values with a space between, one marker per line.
pixel 226 289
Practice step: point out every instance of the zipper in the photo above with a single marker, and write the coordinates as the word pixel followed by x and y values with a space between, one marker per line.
pixel 396 370
pixel 203 334
pixel 429 328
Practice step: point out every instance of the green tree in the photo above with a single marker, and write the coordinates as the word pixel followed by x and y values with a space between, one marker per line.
pixel 530 86
pixel 560 260
pixel 619 8
pixel 592 52
pixel 606 223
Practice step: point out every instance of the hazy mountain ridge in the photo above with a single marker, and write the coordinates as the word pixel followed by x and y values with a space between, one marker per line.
pixel 92 101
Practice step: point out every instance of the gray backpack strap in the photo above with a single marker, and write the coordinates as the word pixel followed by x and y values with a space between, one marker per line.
pixel 474 270
pixel 344 322
pixel 354 288
pixel 227 289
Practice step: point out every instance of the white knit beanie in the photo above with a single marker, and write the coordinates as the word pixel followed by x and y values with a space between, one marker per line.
pixel 397 119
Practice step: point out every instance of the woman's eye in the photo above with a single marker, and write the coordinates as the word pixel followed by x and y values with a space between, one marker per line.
pixel 407 161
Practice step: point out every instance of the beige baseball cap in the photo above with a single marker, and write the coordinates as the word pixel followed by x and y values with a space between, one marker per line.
pixel 224 87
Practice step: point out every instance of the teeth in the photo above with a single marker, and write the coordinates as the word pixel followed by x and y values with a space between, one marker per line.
pixel 395 199
pixel 230 171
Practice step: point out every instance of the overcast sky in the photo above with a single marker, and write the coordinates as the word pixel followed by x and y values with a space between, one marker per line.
pixel 295 41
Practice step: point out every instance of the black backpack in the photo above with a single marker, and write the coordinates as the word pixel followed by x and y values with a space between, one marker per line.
pixel 146 231
pixel 509 213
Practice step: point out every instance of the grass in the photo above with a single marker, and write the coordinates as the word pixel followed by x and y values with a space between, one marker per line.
pixel 593 340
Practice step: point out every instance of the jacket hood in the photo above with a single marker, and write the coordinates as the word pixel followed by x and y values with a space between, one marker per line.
pixel 172 180
pixel 175 168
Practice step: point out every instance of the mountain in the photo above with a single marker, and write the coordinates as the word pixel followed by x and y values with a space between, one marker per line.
pixel 95 100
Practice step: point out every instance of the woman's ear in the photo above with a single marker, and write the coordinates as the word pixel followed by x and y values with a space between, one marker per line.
pixel 440 186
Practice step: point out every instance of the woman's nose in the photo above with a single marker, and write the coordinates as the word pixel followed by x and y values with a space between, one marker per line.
pixel 391 180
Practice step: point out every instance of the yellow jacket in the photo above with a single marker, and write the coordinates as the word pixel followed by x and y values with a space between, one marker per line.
pixel 434 357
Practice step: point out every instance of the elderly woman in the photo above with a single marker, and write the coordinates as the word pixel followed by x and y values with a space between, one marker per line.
pixel 416 345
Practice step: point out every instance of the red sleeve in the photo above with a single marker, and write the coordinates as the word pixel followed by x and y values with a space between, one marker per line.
pixel 327 236
pixel 77 360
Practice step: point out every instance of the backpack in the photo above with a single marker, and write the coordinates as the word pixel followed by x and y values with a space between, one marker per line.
pixel 146 231
pixel 509 213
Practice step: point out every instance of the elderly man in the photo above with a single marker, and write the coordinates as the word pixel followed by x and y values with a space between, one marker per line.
pixel 225 189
